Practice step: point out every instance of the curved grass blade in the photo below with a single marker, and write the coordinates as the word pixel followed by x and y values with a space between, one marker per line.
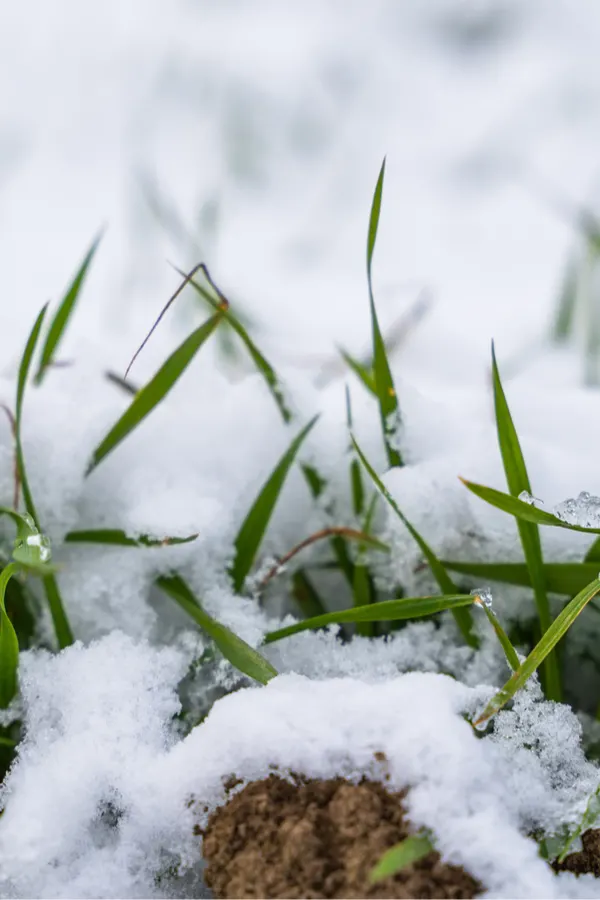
pixel 509 651
pixel 62 628
pixel 589 818
pixel 518 481
pixel 9 644
pixel 154 391
pixel 546 645
pixel 237 651
pixel 410 850
pixel 384 383
pixel 255 524
pixel 463 617
pixel 116 537
pixel 560 578
pixel 362 372
pixel 64 311
pixel 593 553
pixel 385 611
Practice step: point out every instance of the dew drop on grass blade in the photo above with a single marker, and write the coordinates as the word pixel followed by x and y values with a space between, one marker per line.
pixel 462 616
pixel 255 524
pixel 63 313
pixel 518 482
pixel 384 383
pixel 240 654
pixel 154 391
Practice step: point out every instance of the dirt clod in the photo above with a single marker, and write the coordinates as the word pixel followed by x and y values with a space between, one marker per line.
pixel 585 860
pixel 314 839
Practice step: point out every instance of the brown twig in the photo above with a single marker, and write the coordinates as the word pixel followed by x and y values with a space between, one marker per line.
pixel 312 539
pixel 17 475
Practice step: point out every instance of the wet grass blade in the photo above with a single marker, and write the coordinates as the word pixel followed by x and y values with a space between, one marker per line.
pixel 384 383
pixel 509 651
pixel 62 628
pixel 540 652
pixel 9 644
pixel 385 611
pixel 237 651
pixel 63 313
pixel 410 850
pixel 518 481
pixel 560 578
pixel 117 538
pixel 256 522
pixel 462 616
pixel 154 391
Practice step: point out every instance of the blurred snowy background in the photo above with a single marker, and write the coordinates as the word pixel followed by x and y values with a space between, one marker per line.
pixel 259 128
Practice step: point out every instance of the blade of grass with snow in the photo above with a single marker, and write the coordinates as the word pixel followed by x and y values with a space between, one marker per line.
pixel 63 313
pixel 255 524
pixel 385 611
pixel 384 383
pixel 9 644
pixel 545 646
pixel 117 538
pixel 518 481
pixel 463 617
pixel 410 850
pixel 154 391
pixel 237 651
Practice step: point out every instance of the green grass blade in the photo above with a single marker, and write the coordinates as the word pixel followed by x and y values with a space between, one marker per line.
pixel 546 645
pixel 9 645
pixel 509 651
pixel 256 522
pixel 518 481
pixel 306 596
pixel 116 537
pixel 384 383
pixel 560 578
pixel 362 372
pixel 63 313
pixel 589 818
pixel 410 850
pixel 64 635
pixel 593 553
pixel 237 651
pixel 385 611
pixel 563 324
pixel 154 391
pixel 447 586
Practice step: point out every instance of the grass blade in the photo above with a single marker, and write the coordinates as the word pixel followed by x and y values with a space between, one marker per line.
pixel 518 481
pixel 447 586
pixel 384 383
pixel 485 603
pixel 154 391
pixel 9 644
pixel 560 578
pixel 362 372
pixel 63 313
pixel 255 524
pixel 117 538
pixel 546 645
pixel 385 611
pixel 410 850
pixel 237 651
pixel 306 596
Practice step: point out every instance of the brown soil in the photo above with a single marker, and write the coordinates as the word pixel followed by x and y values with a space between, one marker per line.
pixel 316 839
pixel 586 860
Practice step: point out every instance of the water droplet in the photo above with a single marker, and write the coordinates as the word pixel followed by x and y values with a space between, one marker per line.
pixel 482 597
pixel 525 497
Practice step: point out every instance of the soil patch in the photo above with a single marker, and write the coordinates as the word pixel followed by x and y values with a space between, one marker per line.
pixel 317 839
pixel 586 860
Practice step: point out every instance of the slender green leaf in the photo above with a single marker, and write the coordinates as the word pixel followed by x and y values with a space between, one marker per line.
pixel 362 372
pixel 237 651
pixel 63 313
pixel 255 524
pixel 9 644
pixel 547 643
pixel 154 391
pixel 509 650
pixel 563 323
pixel 118 538
pixel 593 553
pixel 447 586
pixel 306 596
pixel 560 578
pixel 385 611
pixel 384 383
pixel 589 818
pixel 410 850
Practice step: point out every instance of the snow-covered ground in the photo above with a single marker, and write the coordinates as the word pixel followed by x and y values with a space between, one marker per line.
pixel 259 129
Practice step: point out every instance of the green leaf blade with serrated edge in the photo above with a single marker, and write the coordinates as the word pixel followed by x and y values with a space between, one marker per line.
pixel 385 611
pixel 546 645
pixel 463 617
pixel 410 850
pixel 384 383
pixel 9 644
pixel 240 654
pixel 257 520
pixel 64 312
pixel 148 398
